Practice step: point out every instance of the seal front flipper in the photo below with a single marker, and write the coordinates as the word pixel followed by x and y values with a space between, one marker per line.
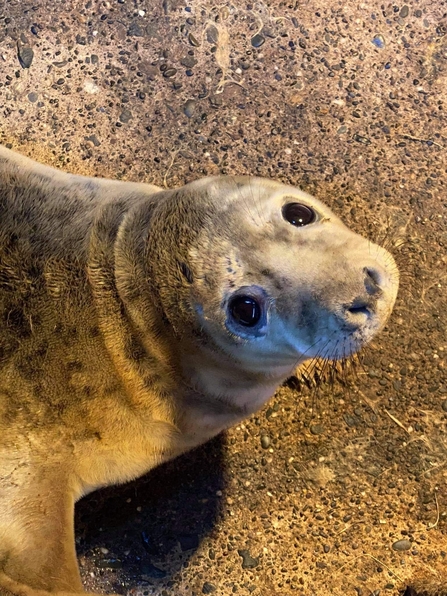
pixel 37 548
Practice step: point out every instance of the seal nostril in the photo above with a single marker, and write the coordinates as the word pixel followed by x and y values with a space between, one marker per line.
pixel 374 274
pixel 372 281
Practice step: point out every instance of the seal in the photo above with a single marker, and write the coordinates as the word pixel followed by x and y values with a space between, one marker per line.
pixel 138 323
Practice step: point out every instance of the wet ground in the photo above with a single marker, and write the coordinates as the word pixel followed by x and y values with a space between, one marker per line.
pixel 337 490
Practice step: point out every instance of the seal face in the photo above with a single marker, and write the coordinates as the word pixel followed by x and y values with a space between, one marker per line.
pixel 139 322
pixel 279 279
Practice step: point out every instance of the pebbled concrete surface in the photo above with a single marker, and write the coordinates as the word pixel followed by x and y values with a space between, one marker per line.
pixel 337 490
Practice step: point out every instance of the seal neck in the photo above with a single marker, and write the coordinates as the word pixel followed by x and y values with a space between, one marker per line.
pixel 128 320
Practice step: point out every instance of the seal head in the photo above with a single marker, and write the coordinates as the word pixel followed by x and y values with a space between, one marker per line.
pixel 255 277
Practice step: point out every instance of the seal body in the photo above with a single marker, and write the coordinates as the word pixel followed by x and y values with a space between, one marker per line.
pixel 138 323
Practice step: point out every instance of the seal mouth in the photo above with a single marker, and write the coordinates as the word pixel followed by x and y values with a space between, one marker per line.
pixel 360 309
pixel 358 313
pixel 337 329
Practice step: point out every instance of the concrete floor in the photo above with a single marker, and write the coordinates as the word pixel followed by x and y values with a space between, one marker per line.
pixel 346 100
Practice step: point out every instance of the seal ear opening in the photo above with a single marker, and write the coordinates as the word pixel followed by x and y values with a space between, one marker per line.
pixel 186 272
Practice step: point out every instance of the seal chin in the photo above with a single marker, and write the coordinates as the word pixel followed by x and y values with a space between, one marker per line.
pixel 340 345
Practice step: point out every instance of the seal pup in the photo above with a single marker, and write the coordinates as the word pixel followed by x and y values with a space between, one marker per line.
pixel 138 323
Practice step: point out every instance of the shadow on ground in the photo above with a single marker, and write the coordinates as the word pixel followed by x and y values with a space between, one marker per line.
pixel 135 527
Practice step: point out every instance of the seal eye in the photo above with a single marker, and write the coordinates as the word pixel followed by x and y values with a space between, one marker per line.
pixel 245 310
pixel 298 214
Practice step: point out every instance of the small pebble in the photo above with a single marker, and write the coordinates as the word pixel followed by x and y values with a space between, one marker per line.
pixel 94 139
pixel 189 108
pixel 208 588
pixel 265 441
pixel 135 30
pixel 188 61
pixel 379 41
pixel 212 34
pixel 248 562
pixel 33 97
pixel 404 11
pixel 444 403
pixel 169 72
pixel 361 139
pixel 125 116
pixel 316 429
pixel 193 40
pixel 25 55
pixel 401 545
pixel 257 40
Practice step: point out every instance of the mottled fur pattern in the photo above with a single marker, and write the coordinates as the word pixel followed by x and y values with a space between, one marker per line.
pixel 118 349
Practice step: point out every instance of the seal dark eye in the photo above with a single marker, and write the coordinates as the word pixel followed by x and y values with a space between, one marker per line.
pixel 245 310
pixel 298 214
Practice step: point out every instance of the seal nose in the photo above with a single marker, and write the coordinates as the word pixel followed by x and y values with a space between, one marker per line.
pixel 364 306
pixel 373 281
